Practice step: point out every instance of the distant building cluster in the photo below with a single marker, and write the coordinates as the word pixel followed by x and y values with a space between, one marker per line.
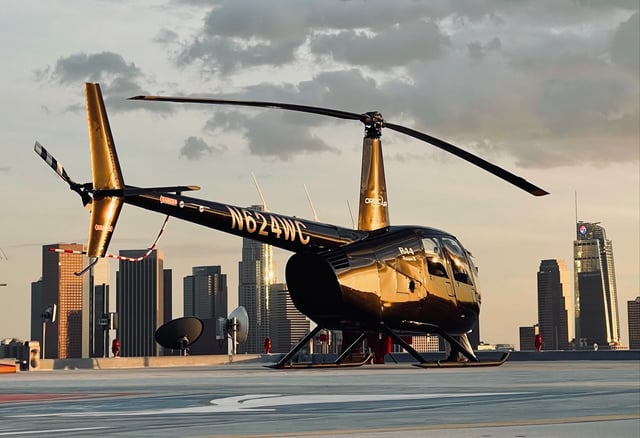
pixel 73 315
pixel 595 316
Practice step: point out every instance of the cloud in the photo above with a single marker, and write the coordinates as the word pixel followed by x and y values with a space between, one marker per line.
pixel 5 170
pixel 95 67
pixel 196 148
pixel 270 134
pixel 241 34
pixel 545 83
pixel 625 47
pixel 477 50
pixel 223 55
pixel 118 80
pixel 399 45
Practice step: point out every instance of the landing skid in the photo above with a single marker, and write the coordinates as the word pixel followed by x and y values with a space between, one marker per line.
pixel 472 360
pixel 366 359
pixel 286 362
pixel 451 364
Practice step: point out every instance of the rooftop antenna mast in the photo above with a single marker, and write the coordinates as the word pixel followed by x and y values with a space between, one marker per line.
pixel 353 223
pixel 3 256
pixel 264 203
pixel 315 215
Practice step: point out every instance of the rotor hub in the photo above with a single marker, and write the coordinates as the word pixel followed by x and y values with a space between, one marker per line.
pixel 373 124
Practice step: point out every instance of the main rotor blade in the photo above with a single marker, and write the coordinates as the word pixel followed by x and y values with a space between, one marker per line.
pixel 366 118
pixel 474 159
pixel 285 106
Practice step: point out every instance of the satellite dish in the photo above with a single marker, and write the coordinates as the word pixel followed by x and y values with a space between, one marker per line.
pixel 179 333
pixel 242 324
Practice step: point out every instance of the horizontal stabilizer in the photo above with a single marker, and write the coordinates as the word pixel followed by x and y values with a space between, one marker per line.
pixel 130 191
pixel 135 191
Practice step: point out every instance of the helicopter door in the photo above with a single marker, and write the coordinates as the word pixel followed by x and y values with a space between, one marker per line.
pixel 461 270
pixel 437 276
pixel 409 267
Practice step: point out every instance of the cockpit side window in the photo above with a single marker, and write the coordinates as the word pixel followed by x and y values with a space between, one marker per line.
pixel 459 263
pixel 434 257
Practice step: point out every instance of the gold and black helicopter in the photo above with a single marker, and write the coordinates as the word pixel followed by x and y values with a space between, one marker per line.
pixel 379 282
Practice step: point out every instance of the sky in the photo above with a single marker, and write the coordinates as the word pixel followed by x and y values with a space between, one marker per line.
pixel 546 89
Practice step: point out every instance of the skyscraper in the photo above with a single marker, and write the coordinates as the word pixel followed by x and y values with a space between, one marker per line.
pixel 64 337
pixel 596 302
pixel 36 311
pixel 205 293
pixel 254 280
pixel 633 312
pixel 288 325
pixel 527 338
pixel 552 311
pixel 140 302
pixel 98 310
pixel 205 297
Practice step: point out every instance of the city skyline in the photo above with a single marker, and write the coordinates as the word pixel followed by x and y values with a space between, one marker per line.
pixel 548 90
pixel 205 293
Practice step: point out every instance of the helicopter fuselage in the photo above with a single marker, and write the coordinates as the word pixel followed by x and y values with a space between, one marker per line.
pixel 352 279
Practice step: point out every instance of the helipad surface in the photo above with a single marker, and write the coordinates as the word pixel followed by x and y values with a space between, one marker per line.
pixel 523 399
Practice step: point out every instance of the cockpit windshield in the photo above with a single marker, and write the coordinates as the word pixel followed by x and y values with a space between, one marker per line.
pixel 435 259
pixel 459 263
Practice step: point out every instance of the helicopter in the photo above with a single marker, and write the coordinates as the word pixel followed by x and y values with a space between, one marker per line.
pixel 379 282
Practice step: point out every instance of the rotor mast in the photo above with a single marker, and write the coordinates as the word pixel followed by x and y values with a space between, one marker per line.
pixel 373 213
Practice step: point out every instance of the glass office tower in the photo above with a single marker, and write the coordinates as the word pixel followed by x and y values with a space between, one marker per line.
pixel 256 275
pixel 596 301
pixel 552 311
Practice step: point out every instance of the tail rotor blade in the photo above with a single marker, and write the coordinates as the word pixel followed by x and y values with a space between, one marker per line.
pixel 62 173
pixel 53 163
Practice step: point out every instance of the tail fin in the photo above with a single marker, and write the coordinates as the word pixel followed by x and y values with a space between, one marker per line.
pixel 106 175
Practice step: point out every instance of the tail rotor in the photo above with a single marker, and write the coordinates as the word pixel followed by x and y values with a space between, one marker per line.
pixel 84 190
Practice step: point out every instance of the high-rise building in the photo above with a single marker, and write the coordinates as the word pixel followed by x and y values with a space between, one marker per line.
pixel 60 286
pixel 527 338
pixel 167 298
pixel 140 302
pixel 98 311
pixel 205 292
pixel 426 343
pixel 36 311
pixel 633 312
pixel 205 297
pixel 288 325
pixel 256 275
pixel 552 311
pixel 596 301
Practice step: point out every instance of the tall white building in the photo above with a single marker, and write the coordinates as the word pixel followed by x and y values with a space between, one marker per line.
pixel 255 277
